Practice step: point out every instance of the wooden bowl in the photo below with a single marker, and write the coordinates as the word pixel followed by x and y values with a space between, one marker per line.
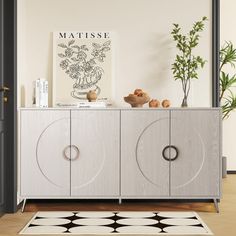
pixel 136 101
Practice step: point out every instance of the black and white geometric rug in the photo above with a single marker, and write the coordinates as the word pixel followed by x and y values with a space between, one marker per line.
pixel 124 222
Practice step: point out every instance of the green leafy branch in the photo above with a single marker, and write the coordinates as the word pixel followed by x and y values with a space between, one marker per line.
pixel 227 81
pixel 186 64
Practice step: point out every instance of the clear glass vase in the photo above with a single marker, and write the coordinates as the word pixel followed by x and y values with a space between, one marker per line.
pixel 184 102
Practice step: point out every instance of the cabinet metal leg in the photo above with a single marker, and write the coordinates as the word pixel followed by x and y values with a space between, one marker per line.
pixel 216 205
pixel 23 206
pixel 120 200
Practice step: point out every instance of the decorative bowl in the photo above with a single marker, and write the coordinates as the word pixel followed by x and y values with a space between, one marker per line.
pixel 136 101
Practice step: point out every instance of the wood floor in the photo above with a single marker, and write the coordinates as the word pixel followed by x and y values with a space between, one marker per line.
pixel 223 223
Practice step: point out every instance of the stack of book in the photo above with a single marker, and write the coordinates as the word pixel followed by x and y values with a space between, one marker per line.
pixel 86 104
pixel 92 104
pixel 40 93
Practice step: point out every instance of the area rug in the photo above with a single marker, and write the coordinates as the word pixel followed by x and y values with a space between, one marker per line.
pixel 124 222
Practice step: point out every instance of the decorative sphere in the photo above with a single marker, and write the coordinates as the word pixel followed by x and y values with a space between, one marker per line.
pixel 154 103
pixel 165 103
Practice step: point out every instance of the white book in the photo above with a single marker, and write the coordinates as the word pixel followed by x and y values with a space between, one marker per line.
pixel 67 104
pixel 40 93
pixel 37 93
pixel 92 104
pixel 85 104
pixel 34 94
pixel 45 93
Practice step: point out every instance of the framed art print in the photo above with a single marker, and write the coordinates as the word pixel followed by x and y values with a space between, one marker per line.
pixel 82 62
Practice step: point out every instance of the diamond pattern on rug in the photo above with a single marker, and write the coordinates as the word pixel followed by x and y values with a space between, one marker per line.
pixel 124 222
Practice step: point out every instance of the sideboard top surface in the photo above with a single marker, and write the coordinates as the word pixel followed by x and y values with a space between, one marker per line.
pixel 118 108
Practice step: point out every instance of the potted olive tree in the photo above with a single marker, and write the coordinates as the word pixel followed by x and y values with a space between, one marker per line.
pixel 186 64
pixel 227 82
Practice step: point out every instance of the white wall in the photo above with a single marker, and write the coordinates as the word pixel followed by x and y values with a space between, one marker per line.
pixel 144 47
pixel 228 33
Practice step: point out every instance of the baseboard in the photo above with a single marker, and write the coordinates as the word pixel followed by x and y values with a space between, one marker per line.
pixel 229 172
pixel 66 201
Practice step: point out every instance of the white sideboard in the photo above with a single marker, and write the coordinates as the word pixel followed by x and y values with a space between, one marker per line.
pixel 120 153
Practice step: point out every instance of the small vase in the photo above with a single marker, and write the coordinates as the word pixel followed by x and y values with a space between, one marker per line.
pixel 184 102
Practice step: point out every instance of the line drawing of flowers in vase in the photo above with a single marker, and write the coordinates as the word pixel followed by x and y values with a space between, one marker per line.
pixel 83 66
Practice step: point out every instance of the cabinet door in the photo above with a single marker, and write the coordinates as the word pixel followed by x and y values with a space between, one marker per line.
pixel 144 171
pixel 44 170
pixel 196 171
pixel 95 153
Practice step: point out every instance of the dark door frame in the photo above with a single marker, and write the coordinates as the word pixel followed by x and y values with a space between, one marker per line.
pixel 215 52
pixel 11 124
pixel 10 71
pixel 9 62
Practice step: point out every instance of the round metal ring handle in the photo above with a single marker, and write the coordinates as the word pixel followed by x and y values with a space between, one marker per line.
pixel 72 147
pixel 176 151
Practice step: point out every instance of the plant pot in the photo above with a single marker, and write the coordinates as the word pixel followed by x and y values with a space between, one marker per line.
pixel 224 166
